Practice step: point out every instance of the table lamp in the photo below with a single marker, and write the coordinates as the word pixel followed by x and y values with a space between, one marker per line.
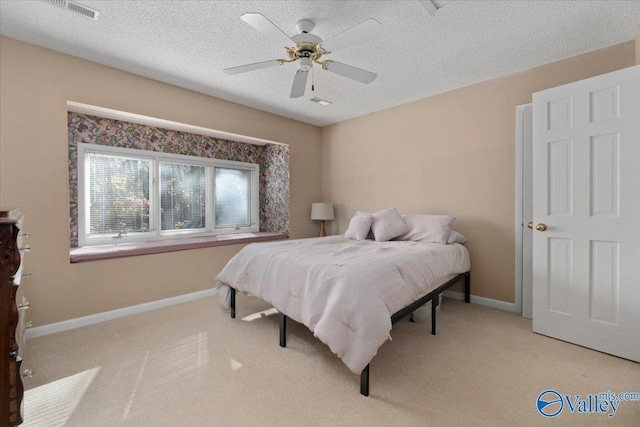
pixel 322 212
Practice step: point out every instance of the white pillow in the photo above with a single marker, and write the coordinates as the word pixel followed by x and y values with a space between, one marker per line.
pixel 427 228
pixel 370 235
pixel 456 237
pixel 388 224
pixel 359 227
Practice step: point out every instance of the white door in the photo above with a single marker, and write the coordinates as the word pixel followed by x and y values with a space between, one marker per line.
pixel 524 210
pixel 586 191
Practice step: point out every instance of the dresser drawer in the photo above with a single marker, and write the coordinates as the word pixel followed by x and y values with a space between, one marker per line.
pixel 12 307
pixel 16 391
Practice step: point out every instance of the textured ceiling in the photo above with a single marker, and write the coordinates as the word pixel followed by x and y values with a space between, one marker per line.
pixel 188 43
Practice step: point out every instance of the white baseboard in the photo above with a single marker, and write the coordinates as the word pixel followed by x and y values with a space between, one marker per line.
pixel 79 322
pixel 489 302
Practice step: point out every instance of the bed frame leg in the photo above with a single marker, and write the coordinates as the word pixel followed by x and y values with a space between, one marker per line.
pixel 233 303
pixel 364 382
pixel 467 288
pixel 283 330
pixel 434 301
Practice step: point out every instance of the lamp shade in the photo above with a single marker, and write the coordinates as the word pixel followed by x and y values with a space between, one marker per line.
pixel 322 211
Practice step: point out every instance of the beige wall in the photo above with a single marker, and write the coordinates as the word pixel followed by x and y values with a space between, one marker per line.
pixel 397 157
pixel 452 153
pixel 35 85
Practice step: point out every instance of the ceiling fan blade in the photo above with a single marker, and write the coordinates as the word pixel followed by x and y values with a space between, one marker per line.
pixel 299 84
pixel 429 6
pixel 262 24
pixel 355 73
pixel 363 31
pixel 252 67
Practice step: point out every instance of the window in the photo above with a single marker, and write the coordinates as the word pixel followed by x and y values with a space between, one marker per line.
pixel 183 193
pixel 232 197
pixel 118 194
pixel 130 195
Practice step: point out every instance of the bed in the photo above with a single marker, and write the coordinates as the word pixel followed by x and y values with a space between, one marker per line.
pixel 348 293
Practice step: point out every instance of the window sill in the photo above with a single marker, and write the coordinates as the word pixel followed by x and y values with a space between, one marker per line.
pixel 93 253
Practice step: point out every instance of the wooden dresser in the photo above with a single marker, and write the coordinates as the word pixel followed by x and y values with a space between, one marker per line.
pixel 12 307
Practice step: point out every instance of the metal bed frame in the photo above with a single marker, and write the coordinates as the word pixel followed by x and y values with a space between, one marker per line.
pixel 432 296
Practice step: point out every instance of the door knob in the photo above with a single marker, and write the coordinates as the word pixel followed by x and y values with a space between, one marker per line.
pixel 530 225
pixel 541 227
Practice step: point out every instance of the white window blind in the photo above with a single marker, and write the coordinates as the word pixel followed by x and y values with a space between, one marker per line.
pixel 182 196
pixel 119 194
pixel 134 195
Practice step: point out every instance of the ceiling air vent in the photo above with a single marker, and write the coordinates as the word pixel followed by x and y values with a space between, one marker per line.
pixel 75 7
pixel 320 101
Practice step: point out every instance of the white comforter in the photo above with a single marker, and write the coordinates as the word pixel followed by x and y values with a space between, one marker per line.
pixel 344 291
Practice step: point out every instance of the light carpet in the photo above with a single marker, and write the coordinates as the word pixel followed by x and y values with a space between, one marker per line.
pixel 191 365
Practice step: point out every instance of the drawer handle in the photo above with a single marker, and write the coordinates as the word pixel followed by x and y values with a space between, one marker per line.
pixel 28 324
pixel 24 275
pixel 24 306
pixel 24 235
pixel 27 373
pixel 26 248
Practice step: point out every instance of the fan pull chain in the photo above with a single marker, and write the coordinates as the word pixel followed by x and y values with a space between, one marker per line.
pixel 313 88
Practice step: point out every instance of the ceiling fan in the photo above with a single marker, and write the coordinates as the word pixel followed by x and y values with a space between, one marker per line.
pixel 430 6
pixel 433 7
pixel 308 48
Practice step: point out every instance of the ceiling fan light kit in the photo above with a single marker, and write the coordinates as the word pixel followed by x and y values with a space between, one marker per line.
pixel 308 49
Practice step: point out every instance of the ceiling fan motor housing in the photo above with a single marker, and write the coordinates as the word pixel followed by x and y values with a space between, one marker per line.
pixel 307 46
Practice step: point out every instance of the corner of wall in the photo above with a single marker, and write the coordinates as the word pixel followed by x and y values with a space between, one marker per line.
pixel 638 47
